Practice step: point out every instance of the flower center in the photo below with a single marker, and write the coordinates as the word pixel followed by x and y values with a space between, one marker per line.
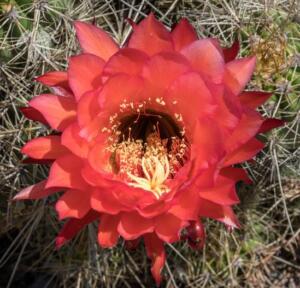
pixel 148 149
pixel 155 171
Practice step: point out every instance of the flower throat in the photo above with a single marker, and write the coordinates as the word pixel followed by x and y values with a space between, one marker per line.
pixel 149 150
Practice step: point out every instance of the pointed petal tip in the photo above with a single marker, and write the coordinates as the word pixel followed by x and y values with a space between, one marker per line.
pixel 84 73
pixel 59 242
pixel 33 114
pixel 37 78
pixel 151 15
pixel 252 60
pixel 183 34
pixel 31 192
pixel 59 208
pixel 231 53
pixel 254 99
pixel 78 24
pixel 94 40
pixel 23 195
pixel 230 218
pixel 281 122
pixel 22 108
pixel 35 191
pixel 184 22
pixel 238 73
pixel 235 225
pixel 151 36
pixel 48 184
pixel 271 123
pixel 156 252
pixel 248 62
pixel 131 23
pixel 20 196
pixel 230 228
pixel 23 149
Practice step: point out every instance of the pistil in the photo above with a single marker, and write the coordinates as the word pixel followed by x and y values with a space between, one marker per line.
pixel 156 172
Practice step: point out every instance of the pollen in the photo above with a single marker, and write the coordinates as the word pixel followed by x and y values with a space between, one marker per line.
pixel 148 165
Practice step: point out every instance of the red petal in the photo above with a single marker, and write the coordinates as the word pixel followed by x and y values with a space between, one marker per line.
pixel 132 225
pixel 270 124
pixel 103 200
pixel 55 78
pixel 218 212
pixel 161 70
pixel 238 73
pixel 59 91
pixel 91 176
pixel 94 40
pixel 168 226
pixel 93 129
pixel 156 252
pixel 73 204
pixel 225 114
pixel 47 147
pixel 154 209
pixel 98 158
pixel 222 193
pixel 65 172
pixel 130 196
pixel 73 226
pixel 186 206
pixel 193 97
pixel 33 114
pixel 36 191
pixel 216 43
pixel 207 144
pixel 107 232
pixel 121 88
pixel 70 138
pixel 254 99
pixel 183 34
pixel 244 153
pixel 151 37
pixel 127 195
pixel 84 73
pixel 237 174
pixel 233 104
pixel 231 53
pixel 58 111
pixel 131 23
pixel 206 59
pixel 58 81
pixel 247 128
pixel 207 177
pixel 88 108
pixel 127 60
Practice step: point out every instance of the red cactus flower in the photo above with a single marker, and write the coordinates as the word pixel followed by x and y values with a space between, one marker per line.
pixel 149 135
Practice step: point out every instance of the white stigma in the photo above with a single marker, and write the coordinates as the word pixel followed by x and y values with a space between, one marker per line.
pixel 156 171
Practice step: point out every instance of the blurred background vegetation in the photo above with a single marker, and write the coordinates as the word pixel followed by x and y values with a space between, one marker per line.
pixel 38 36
